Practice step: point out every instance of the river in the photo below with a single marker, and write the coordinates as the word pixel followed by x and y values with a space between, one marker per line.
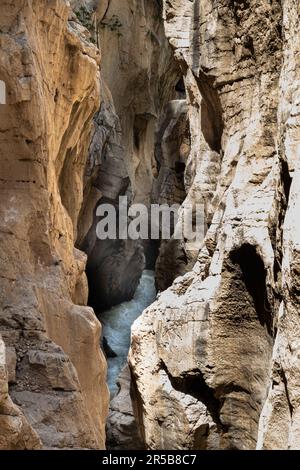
pixel 117 323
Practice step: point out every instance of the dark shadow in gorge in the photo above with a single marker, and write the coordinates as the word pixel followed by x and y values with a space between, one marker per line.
pixel 212 124
pixel 114 266
pixel 254 276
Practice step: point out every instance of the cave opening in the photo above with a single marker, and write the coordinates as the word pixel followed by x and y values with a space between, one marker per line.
pixel 180 89
pixel 254 276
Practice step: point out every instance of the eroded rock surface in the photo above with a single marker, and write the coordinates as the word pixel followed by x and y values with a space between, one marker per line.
pixel 139 76
pixel 171 151
pixel 56 372
pixel 215 358
pixel 123 433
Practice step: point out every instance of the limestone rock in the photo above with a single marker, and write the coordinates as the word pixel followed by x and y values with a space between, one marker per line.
pixel 51 71
pixel 214 360
pixel 122 430
pixel 138 80
pixel 280 419
pixel 197 103
pixel 15 430
pixel 171 152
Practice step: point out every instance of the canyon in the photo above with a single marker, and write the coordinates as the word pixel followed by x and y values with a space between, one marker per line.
pixel 183 101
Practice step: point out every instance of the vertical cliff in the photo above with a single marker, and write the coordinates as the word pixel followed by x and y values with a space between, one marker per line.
pixel 57 396
pixel 215 358
pixel 138 76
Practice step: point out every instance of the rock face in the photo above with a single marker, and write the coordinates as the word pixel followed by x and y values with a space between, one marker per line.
pixel 215 359
pixel 197 103
pixel 138 80
pixel 114 267
pixel 53 392
pixel 123 433
pixel 16 432
pixel 280 419
pixel 172 149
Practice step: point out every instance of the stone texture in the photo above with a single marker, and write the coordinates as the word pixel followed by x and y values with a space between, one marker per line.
pixel 122 430
pixel 214 360
pixel 15 430
pixel 51 71
pixel 171 152
pixel 114 267
pixel 138 80
pixel 280 419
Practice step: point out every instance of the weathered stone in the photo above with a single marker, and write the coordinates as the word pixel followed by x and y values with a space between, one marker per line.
pixel 169 188
pixel 51 71
pixel 138 79
pixel 15 431
pixel 201 356
pixel 122 430
pixel 11 364
pixel 215 360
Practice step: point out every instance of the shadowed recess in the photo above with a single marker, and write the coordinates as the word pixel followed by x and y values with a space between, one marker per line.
pixel 254 276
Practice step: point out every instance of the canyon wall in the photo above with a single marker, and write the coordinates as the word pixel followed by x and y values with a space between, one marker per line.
pixel 215 359
pixel 138 76
pixel 182 101
pixel 52 372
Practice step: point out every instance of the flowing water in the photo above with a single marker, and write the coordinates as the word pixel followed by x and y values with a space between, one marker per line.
pixel 117 325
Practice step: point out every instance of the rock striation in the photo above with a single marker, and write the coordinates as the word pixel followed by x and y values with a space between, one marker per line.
pixel 138 80
pixel 52 372
pixel 214 360
pixel 182 101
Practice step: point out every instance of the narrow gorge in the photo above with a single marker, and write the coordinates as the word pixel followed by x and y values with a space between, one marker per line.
pixel 154 342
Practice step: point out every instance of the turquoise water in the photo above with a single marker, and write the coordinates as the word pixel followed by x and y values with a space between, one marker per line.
pixel 117 323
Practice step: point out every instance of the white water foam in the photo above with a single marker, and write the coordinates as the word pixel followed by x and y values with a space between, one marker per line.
pixel 117 323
